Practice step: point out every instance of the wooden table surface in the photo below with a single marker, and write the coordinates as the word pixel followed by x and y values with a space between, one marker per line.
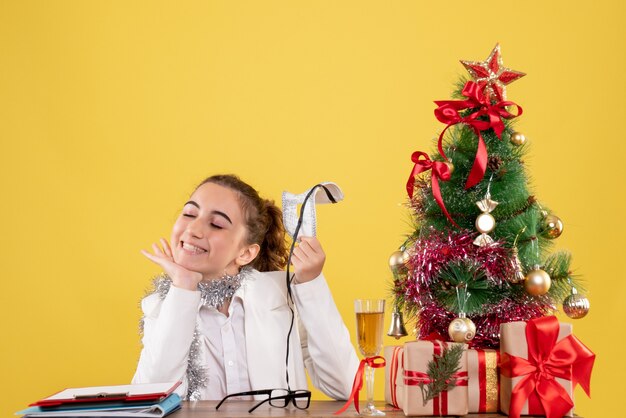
pixel 322 409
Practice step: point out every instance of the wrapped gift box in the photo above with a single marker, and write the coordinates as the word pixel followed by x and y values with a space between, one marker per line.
pixel 394 375
pixel 540 363
pixel 483 384
pixel 417 355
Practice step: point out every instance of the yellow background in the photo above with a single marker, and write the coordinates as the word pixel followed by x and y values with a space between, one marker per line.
pixel 111 112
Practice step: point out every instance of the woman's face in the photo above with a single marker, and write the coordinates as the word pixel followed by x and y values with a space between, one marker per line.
pixel 209 235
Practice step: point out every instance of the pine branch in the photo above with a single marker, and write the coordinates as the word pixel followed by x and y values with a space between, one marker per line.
pixel 473 279
pixel 440 370
pixel 557 265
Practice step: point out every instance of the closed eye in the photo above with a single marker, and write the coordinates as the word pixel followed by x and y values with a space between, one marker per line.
pixel 216 226
pixel 188 215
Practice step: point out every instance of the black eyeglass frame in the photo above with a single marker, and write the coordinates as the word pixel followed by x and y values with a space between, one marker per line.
pixel 290 397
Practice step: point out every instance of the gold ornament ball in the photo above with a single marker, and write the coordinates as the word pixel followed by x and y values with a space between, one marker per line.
pixel 462 330
pixel 576 306
pixel 485 223
pixel 518 138
pixel 537 282
pixel 397 260
pixel 450 166
pixel 551 226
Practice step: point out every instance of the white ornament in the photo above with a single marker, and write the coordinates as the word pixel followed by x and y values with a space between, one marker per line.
pixel 485 222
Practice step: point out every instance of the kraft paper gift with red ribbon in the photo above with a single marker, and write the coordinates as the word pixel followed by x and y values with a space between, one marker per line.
pixel 541 363
pixel 394 375
pixel 483 384
pixel 417 355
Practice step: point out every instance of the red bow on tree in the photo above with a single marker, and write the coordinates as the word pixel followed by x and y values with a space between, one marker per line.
pixel 440 171
pixel 448 113
pixel 568 359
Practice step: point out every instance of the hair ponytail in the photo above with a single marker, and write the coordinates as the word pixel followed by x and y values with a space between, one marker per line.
pixel 274 253
pixel 264 223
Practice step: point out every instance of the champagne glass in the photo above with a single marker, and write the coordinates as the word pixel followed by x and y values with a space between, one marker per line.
pixel 370 318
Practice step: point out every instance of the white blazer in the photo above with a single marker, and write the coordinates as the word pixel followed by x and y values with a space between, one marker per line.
pixel 319 342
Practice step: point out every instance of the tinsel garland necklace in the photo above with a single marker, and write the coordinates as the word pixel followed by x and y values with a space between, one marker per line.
pixel 213 295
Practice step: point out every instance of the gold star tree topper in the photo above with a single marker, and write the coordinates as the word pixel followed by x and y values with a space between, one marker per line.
pixel 491 75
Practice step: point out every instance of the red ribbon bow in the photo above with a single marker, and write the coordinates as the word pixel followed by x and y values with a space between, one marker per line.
pixel 358 382
pixel 448 113
pixel 440 171
pixel 568 359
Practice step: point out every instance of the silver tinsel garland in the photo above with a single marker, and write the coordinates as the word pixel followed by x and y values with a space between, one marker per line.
pixel 213 294
pixel 196 374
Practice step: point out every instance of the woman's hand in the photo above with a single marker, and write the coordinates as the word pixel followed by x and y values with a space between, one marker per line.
pixel 181 277
pixel 308 259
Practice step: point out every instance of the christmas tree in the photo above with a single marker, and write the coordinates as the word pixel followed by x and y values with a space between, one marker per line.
pixel 480 253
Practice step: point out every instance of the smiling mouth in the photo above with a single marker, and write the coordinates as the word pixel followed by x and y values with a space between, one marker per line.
pixel 192 249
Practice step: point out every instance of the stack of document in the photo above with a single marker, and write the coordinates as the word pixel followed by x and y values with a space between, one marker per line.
pixel 154 400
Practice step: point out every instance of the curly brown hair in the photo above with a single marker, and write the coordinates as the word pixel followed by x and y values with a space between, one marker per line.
pixel 264 222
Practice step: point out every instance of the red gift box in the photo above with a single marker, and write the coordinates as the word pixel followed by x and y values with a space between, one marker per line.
pixel 541 363
pixel 394 375
pixel 483 384
pixel 417 355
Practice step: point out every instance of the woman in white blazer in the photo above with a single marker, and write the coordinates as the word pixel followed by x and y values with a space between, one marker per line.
pixel 220 317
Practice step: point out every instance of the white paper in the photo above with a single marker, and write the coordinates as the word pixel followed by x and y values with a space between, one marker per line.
pixel 127 390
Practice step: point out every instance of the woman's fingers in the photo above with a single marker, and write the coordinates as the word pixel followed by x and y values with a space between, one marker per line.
pixel 312 243
pixel 166 247
pixel 310 249
pixel 305 248
pixel 162 260
pixel 159 256
pixel 308 259
pixel 300 253
pixel 295 260
pixel 155 259
pixel 181 277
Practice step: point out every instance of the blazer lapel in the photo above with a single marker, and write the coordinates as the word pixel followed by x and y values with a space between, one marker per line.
pixel 267 319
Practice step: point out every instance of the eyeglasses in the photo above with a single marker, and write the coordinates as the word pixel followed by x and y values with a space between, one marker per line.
pixel 279 398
